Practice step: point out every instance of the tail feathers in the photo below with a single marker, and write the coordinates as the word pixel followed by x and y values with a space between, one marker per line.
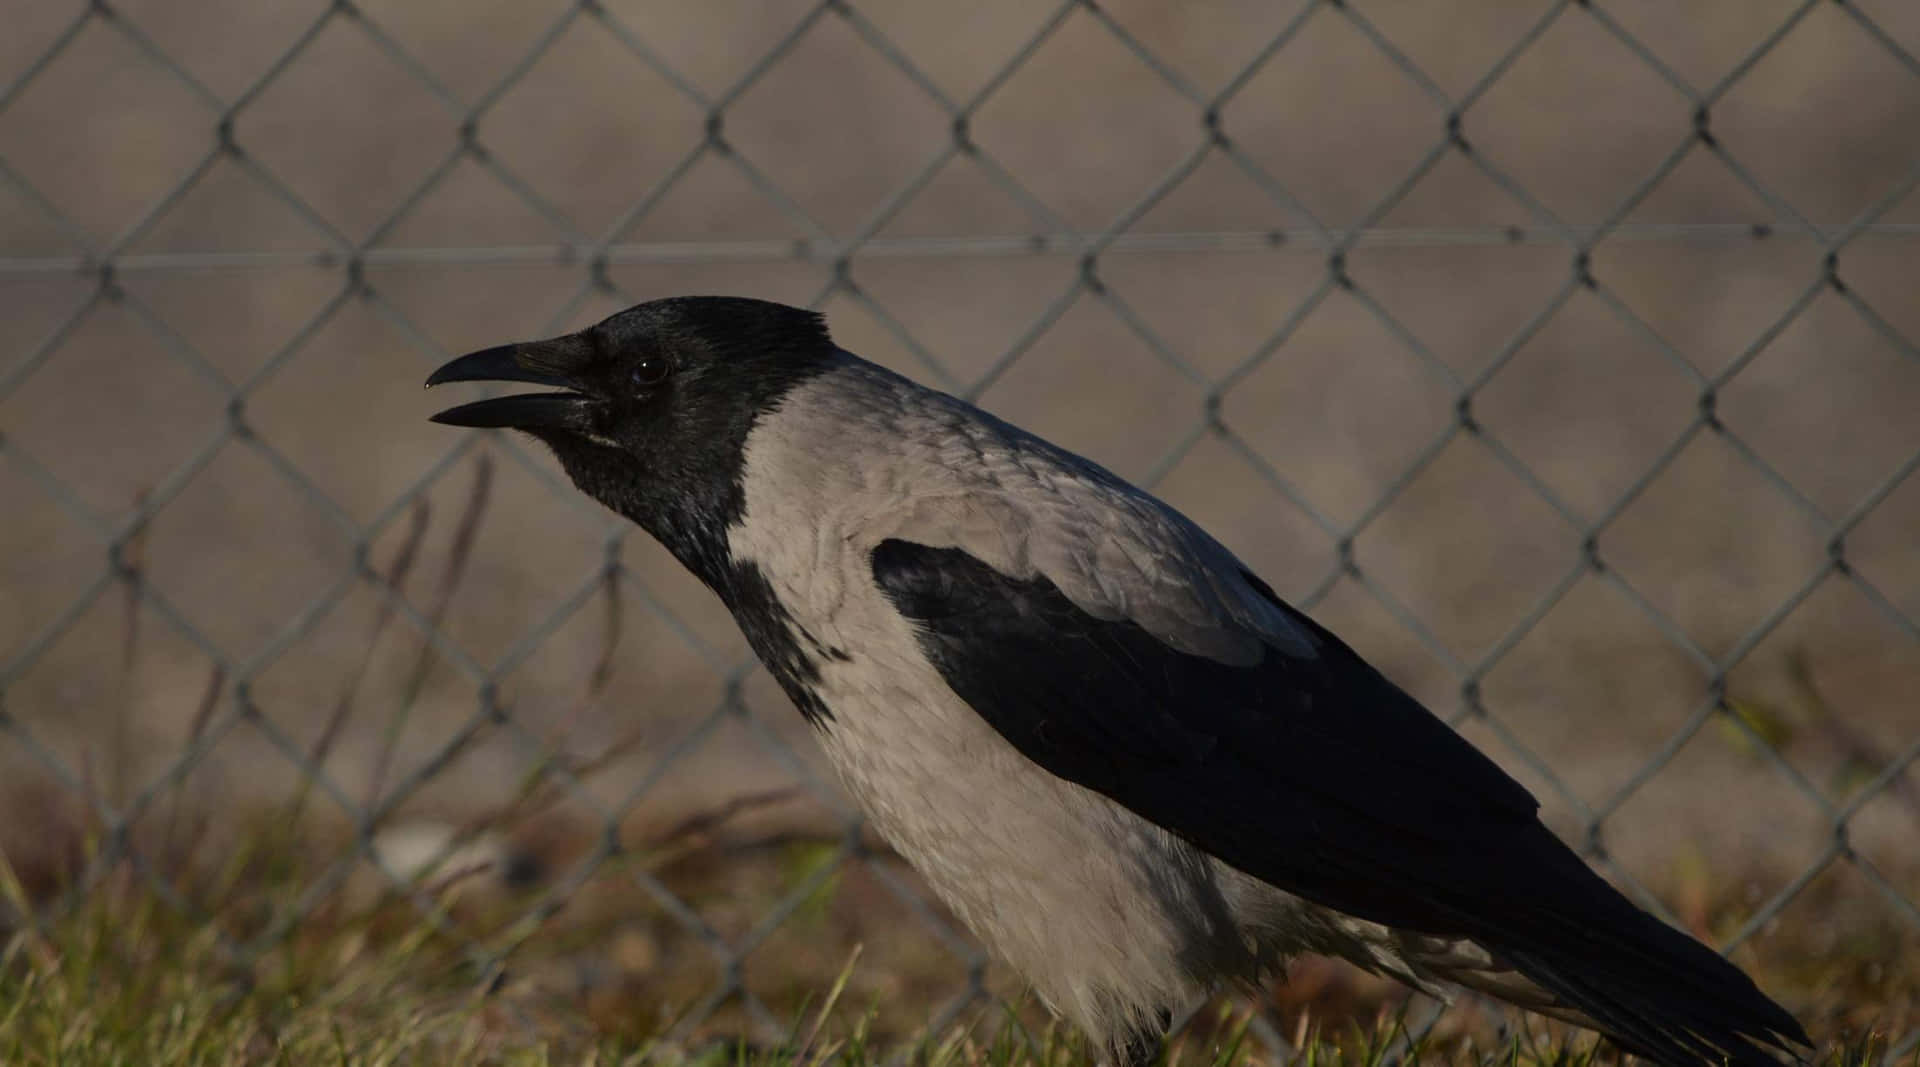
pixel 1658 993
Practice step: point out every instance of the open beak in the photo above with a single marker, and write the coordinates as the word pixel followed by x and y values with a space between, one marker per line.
pixel 514 363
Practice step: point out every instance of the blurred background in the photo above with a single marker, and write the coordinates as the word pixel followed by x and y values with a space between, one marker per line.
pixel 1562 357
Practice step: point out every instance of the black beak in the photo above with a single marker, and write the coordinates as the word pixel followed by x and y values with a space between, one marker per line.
pixel 514 363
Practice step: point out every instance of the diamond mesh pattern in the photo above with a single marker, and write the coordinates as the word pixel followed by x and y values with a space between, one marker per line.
pixel 357 546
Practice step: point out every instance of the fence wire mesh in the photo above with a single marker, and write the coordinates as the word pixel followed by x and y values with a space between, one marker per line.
pixel 1561 354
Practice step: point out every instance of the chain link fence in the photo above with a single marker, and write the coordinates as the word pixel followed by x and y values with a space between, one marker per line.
pixel 1560 354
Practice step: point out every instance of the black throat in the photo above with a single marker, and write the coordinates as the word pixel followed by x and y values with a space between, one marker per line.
pixel 679 468
pixel 680 476
pixel 688 512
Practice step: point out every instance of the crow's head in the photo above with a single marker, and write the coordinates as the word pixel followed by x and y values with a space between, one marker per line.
pixel 645 371
pixel 655 403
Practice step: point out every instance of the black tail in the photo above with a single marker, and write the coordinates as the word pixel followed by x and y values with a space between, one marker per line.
pixel 1650 988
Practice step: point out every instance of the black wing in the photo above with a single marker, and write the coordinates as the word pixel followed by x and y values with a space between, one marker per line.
pixel 1319 776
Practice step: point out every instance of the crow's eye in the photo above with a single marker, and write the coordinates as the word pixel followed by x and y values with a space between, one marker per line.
pixel 651 371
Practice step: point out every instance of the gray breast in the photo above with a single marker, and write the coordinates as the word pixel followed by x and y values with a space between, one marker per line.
pixel 1110 918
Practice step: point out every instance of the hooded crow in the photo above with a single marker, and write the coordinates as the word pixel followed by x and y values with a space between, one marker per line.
pixel 1126 764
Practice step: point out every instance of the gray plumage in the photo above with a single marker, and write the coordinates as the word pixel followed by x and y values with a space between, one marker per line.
pixel 1121 760
pixel 1115 922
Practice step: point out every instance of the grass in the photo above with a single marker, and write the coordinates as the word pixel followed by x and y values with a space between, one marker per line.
pixel 127 974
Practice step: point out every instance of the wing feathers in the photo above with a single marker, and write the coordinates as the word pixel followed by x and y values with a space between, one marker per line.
pixel 1312 772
